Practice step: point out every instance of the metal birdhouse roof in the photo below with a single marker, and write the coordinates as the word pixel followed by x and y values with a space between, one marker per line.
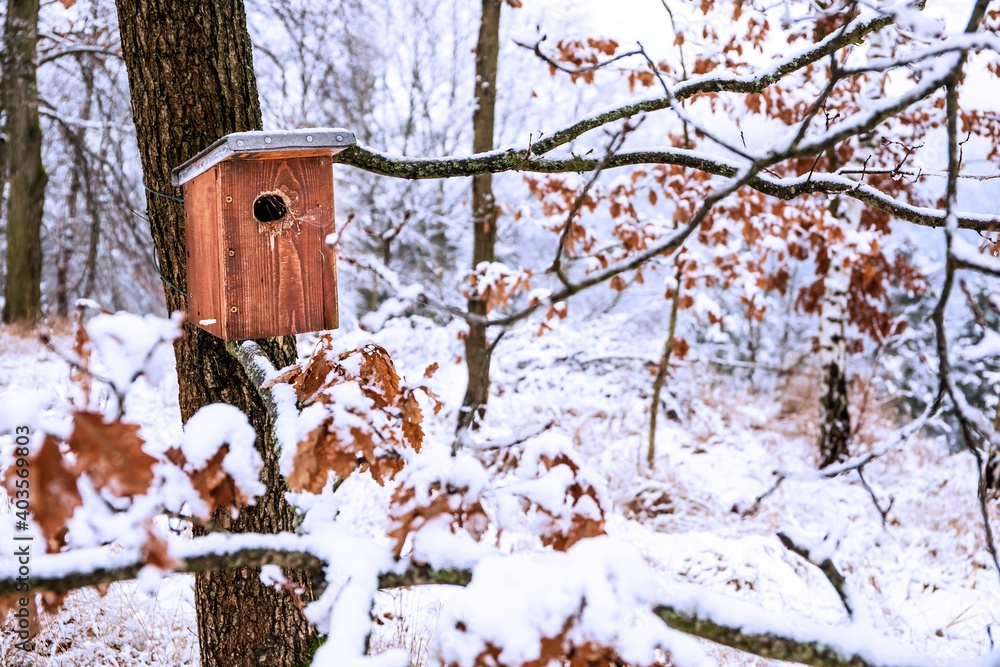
pixel 315 141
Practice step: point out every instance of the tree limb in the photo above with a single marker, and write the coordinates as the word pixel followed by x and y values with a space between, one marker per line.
pixel 856 31
pixel 64 572
pixel 765 645
pixel 511 159
pixel 76 50
pixel 825 566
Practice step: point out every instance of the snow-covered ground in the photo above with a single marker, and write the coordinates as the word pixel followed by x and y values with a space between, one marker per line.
pixel 924 576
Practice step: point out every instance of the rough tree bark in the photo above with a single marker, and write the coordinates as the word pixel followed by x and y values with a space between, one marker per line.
pixel 484 216
pixel 22 292
pixel 190 71
pixel 835 420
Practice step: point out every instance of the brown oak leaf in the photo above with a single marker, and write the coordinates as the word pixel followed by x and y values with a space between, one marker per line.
pixel 156 553
pixel 378 376
pixel 52 602
pixel 53 489
pixel 314 378
pixel 412 419
pixel 319 453
pixel 214 484
pixel 111 454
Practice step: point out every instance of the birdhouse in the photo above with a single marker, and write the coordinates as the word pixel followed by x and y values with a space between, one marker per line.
pixel 258 210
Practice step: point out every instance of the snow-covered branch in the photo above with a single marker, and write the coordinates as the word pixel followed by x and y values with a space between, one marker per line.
pixel 753 83
pixel 690 610
pixel 71 570
pixel 520 160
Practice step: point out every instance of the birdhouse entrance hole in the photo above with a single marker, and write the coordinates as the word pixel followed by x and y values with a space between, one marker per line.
pixel 269 207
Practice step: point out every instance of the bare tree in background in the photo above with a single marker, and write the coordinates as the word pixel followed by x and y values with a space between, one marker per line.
pixel 26 173
pixel 478 349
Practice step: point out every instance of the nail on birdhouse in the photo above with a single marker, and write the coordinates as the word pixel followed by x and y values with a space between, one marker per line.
pixel 258 209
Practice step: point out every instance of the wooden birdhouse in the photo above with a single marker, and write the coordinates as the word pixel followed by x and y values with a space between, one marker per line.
pixel 258 209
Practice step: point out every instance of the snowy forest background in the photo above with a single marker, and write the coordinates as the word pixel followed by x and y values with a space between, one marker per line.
pixel 665 454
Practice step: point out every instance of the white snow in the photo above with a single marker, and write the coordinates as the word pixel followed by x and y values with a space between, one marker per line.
pixel 130 345
pixel 218 425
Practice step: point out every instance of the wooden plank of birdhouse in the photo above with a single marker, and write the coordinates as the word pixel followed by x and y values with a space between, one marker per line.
pixel 279 279
pixel 283 154
pixel 203 232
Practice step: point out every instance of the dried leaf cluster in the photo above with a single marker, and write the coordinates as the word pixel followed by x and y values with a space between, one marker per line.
pixel 364 417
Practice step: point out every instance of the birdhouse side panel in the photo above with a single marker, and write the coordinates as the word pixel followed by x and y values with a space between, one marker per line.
pixel 203 239
pixel 279 272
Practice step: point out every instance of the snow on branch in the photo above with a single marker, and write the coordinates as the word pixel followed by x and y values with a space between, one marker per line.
pixel 522 160
pixel 750 629
pixel 71 570
pixel 754 83
pixel 530 158
pixel 687 609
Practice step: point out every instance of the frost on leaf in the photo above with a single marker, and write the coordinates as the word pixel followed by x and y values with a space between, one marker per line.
pixel 440 495
pixel 357 414
pixel 213 484
pixel 111 455
pixel 218 453
pixel 322 452
pixel 53 480
pixel 563 504
pixel 589 606
pixel 496 284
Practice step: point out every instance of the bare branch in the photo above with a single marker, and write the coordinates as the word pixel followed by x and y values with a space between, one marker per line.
pixel 883 512
pixel 536 48
pixel 661 373
pixel 856 463
pixel 78 50
pixel 825 566
pixel 970 422
pixel 617 140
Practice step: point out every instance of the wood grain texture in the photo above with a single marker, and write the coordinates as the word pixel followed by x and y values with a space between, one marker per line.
pixel 291 153
pixel 280 277
pixel 203 232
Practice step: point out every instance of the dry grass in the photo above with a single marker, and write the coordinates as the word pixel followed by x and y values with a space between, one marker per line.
pixel 125 627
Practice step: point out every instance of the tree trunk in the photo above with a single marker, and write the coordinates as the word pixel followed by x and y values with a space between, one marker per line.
pixel 484 217
pixel 835 420
pixel 27 176
pixel 191 76
pixel 661 373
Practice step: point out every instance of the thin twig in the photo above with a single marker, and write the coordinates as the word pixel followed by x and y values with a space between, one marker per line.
pixel 536 48
pixel 617 140
pixel 828 569
pixel 883 512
